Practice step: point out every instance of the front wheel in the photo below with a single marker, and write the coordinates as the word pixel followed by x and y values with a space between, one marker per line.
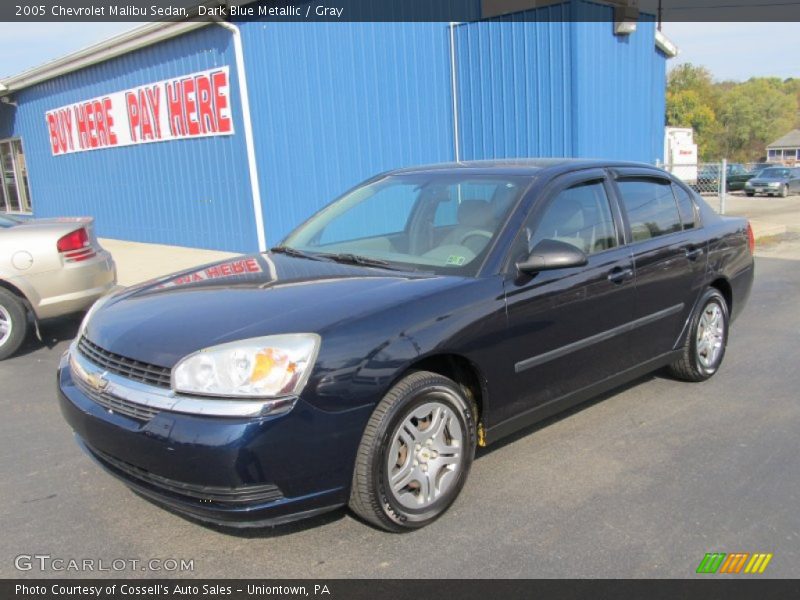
pixel 784 191
pixel 415 454
pixel 750 194
pixel 706 341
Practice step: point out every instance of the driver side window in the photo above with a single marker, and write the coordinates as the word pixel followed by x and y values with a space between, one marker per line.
pixel 579 215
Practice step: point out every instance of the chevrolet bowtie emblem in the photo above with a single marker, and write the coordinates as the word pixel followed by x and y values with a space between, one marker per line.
pixel 97 382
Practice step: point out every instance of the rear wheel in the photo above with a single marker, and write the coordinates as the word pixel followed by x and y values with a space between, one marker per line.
pixel 13 323
pixel 415 453
pixel 706 341
pixel 750 193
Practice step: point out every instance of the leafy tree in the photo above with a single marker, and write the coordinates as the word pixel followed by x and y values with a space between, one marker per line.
pixel 752 115
pixel 731 120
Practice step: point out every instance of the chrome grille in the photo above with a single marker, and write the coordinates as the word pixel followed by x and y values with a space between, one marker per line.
pixel 126 367
pixel 116 405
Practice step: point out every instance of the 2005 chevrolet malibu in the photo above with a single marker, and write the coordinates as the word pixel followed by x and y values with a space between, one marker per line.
pixel 423 313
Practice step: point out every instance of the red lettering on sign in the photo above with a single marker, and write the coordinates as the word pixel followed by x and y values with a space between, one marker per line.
pixel 91 124
pixel 190 106
pixel 133 114
pixel 177 125
pixel 109 120
pixel 80 121
pixel 219 83
pixel 205 107
pixel 145 116
pixel 154 103
pixel 52 128
pixel 100 123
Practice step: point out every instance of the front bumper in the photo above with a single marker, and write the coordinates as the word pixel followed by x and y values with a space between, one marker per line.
pixel 237 472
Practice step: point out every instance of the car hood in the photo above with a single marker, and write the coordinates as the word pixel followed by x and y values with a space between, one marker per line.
pixel 161 321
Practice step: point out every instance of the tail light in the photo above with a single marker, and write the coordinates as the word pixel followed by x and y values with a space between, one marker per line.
pixel 75 246
pixel 751 239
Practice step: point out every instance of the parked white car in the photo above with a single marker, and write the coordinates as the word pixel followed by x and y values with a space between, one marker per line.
pixel 48 268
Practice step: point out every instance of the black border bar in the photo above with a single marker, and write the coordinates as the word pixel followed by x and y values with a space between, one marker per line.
pixel 399 10
pixel 708 587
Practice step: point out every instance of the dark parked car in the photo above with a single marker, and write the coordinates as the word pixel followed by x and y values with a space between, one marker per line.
pixel 775 181
pixel 735 178
pixel 424 313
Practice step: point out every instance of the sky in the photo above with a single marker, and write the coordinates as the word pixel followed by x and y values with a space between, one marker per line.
pixel 731 51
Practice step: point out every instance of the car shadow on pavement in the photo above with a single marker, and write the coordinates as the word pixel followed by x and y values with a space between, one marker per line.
pixel 53 332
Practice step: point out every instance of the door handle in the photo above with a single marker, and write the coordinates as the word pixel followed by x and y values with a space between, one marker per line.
pixel 693 253
pixel 618 274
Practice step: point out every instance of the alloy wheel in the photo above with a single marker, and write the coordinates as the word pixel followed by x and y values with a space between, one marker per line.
pixel 6 325
pixel 426 455
pixel 710 335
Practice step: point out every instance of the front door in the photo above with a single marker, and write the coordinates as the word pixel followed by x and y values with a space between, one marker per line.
pixel 567 327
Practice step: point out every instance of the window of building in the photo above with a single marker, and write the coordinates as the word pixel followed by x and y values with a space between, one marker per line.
pixel 14 192
pixel 651 207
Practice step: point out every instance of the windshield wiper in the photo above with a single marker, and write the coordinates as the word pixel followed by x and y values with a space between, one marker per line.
pixel 364 261
pixel 289 251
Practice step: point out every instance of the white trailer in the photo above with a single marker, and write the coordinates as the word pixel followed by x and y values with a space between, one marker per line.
pixel 680 153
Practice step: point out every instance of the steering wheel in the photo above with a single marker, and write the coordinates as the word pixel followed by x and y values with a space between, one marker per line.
pixel 475 233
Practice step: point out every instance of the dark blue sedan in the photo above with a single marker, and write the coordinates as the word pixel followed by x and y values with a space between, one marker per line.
pixel 423 313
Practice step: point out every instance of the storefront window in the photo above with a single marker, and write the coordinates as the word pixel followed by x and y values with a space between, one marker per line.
pixel 14 192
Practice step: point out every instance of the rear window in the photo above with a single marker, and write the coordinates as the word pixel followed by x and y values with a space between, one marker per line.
pixel 775 173
pixel 686 207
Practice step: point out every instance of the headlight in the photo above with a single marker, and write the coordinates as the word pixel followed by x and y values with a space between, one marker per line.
pixel 264 367
pixel 748 184
pixel 93 309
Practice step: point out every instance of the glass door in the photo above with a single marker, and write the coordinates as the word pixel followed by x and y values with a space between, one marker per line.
pixel 14 191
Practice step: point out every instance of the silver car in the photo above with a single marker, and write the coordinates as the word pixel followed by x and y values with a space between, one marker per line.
pixel 774 181
pixel 48 268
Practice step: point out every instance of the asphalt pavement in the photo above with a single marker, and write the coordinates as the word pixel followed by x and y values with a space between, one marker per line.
pixel 640 483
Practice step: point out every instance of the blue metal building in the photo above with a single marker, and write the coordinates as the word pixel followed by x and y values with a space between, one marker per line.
pixel 330 104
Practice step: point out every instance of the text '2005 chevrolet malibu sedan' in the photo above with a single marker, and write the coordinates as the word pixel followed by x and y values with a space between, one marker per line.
pixel 425 312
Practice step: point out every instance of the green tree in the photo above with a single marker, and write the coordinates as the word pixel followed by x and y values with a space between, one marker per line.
pixel 731 120
pixel 691 102
pixel 753 114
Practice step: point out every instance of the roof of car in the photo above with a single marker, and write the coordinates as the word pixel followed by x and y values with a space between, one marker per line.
pixel 521 166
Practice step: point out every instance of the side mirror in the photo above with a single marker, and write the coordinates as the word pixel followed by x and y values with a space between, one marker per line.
pixel 552 254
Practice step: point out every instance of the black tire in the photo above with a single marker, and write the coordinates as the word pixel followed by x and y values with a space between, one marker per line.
pixel 371 498
pixel 784 191
pixel 13 311
pixel 750 194
pixel 690 367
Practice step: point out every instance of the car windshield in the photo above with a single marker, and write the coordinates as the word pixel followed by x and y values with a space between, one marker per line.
pixel 774 173
pixel 7 221
pixel 430 221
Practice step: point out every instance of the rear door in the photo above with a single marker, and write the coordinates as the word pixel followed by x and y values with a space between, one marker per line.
pixel 669 256
pixel 567 327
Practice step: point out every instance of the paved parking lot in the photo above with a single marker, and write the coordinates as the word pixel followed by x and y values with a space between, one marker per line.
pixel 640 484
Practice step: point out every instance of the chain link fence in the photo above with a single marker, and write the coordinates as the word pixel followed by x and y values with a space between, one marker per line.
pixel 717 179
